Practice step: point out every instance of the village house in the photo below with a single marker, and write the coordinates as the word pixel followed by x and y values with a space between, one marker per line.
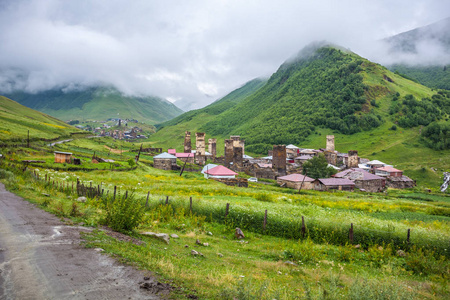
pixel 341 184
pixel 165 161
pixel 220 172
pixel 292 151
pixel 388 171
pixel 63 157
pixel 373 164
pixel 363 180
pixel 295 181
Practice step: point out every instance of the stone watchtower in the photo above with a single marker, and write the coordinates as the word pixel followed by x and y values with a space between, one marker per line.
pixel 212 147
pixel 279 159
pixel 353 159
pixel 187 142
pixel 330 143
pixel 200 147
pixel 228 152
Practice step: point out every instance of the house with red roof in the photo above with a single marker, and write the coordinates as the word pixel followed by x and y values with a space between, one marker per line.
pixel 388 171
pixel 220 172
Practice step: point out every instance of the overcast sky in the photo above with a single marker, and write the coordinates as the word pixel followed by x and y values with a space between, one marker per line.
pixel 185 51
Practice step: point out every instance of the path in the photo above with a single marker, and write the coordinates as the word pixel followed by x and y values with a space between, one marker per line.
pixel 41 258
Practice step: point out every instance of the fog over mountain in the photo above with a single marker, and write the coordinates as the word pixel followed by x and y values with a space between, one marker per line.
pixel 189 52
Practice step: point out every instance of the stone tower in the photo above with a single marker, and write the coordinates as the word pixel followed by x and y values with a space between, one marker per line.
pixel 353 159
pixel 212 147
pixel 228 152
pixel 200 147
pixel 237 158
pixel 279 159
pixel 187 142
pixel 330 143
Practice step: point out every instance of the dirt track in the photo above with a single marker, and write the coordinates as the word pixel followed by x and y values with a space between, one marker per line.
pixel 41 258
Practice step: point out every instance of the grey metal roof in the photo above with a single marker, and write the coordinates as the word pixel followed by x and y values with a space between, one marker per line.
pixel 336 181
pixel 165 155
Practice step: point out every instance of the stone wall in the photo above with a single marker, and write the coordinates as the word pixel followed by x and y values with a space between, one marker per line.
pixel 239 182
pixel 165 163
pixel 353 159
pixel 296 185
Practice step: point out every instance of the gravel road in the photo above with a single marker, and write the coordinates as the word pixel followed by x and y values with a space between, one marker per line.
pixel 41 258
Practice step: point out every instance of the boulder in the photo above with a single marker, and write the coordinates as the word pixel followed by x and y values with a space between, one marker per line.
pixel 161 236
pixel 81 199
pixel 239 234
pixel 401 253
pixel 174 236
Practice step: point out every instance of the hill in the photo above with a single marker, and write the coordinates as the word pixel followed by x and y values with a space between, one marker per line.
pixel 98 103
pixel 328 90
pixel 428 41
pixel 16 120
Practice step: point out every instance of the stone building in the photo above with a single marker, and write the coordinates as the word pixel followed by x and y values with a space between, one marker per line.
pixel 200 148
pixel 279 159
pixel 364 180
pixel 187 142
pixel 295 181
pixel 229 152
pixel 341 184
pixel 212 147
pixel 352 159
pixel 165 161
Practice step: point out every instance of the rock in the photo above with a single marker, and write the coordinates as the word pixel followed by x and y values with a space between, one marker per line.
pixel 209 233
pixel 161 236
pixel 219 254
pixel 288 262
pixel 99 249
pixel 193 252
pixel 174 236
pixel 2 249
pixel 198 242
pixel 279 273
pixel 81 199
pixel 401 253
pixel 358 246
pixel 186 246
pixel 46 195
pixel 206 244
pixel 239 234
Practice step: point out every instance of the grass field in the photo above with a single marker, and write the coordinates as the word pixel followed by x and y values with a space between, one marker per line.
pixel 277 262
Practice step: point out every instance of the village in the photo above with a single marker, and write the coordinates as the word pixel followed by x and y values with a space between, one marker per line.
pixel 285 165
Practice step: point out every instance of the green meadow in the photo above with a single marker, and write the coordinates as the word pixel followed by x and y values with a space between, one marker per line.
pixel 275 261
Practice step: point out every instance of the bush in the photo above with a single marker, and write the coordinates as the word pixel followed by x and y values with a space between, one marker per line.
pixel 6 174
pixel 124 213
pixel 393 127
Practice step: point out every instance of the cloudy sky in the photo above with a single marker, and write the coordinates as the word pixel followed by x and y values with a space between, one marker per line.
pixel 192 52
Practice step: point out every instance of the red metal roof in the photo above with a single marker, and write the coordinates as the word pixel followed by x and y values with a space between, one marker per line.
pixel 172 151
pixel 184 155
pixel 296 178
pixel 389 169
pixel 220 171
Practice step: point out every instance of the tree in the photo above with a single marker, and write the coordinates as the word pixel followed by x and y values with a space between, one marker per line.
pixel 317 167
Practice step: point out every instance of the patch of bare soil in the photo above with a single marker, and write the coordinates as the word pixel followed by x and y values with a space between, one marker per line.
pixel 116 151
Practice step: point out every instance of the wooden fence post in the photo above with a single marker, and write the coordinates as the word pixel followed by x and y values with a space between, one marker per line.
pixel 167 200
pixel 126 194
pixel 265 220
pixel 350 233
pixel 146 202
pixel 190 204
pixel 227 210
pixel 303 227
pixel 115 188
pixel 407 237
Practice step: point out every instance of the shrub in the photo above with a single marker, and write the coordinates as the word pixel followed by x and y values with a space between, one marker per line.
pixel 124 213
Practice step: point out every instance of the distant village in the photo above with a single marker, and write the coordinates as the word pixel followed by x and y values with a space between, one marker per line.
pixel 105 129
pixel 284 164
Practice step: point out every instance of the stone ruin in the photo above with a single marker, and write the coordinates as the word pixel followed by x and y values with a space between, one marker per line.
pixel 353 159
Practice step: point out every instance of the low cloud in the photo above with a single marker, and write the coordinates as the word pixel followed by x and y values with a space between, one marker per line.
pixel 191 52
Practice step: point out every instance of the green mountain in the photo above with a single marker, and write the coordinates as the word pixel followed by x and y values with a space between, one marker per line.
pixel 435 36
pixel 98 103
pixel 329 90
pixel 16 120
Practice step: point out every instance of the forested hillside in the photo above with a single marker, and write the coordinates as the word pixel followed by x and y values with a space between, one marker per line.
pixel 98 103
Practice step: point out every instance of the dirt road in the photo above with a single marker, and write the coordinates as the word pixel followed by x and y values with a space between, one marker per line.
pixel 41 258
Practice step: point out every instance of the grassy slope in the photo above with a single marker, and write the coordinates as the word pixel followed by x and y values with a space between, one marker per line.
pixel 171 133
pixel 16 120
pixel 99 104
pixel 401 147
